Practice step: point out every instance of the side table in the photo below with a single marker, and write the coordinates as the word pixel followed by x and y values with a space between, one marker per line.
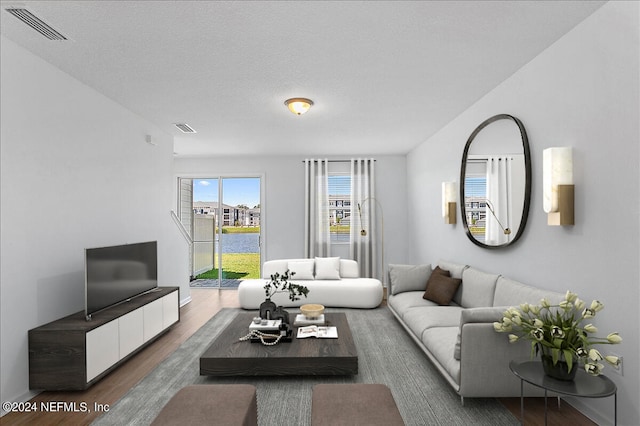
pixel 584 385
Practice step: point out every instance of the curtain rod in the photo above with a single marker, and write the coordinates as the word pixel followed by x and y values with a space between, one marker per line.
pixel 339 161
pixel 483 159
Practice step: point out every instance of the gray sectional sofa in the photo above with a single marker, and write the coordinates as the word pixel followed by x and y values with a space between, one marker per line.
pixel 459 337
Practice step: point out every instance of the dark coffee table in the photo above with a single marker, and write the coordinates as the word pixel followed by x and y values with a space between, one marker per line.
pixel 228 356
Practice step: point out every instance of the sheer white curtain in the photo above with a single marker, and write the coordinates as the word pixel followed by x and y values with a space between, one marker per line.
pixel 317 241
pixel 364 233
pixel 499 197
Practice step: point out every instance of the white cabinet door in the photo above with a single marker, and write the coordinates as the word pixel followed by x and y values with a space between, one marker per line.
pixel 102 349
pixel 170 309
pixel 131 327
pixel 152 319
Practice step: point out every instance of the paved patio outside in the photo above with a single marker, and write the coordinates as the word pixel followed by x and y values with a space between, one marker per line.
pixel 208 283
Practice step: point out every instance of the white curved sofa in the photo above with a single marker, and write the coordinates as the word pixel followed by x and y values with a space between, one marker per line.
pixel 332 282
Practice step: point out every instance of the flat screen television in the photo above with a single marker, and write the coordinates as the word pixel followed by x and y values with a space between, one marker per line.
pixel 118 273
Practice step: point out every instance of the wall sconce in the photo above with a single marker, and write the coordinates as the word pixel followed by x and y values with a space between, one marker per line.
pixel 449 202
pixel 557 183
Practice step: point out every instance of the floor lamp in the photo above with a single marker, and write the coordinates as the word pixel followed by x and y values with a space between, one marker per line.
pixel 363 232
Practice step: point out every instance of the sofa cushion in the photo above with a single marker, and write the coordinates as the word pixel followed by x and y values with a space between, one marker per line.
pixel 440 341
pixel 438 270
pixel 419 319
pixel 401 302
pixel 478 288
pixel 441 288
pixel 455 270
pixel 327 268
pixel 303 269
pixel 408 277
pixel 349 268
pixel 512 293
pixel 279 266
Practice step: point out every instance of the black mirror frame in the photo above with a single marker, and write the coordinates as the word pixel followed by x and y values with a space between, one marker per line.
pixel 527 194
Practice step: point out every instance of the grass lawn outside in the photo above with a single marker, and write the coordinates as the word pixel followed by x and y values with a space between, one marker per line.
pixel 478 231
pixel 340 229
pixel 235 266
pixel 240 229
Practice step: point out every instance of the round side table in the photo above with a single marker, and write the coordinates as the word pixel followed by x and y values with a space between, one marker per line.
pixel 584 385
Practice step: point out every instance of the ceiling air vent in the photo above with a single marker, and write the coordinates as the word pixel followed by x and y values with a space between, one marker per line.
pixel 184 128
pixel 36 23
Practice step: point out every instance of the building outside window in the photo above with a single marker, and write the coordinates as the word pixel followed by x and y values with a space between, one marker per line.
pixel 339 207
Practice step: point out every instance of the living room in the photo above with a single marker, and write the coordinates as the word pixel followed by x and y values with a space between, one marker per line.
pixel 78 171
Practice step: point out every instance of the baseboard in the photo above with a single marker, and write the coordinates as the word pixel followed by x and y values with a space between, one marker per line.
pixel 185 301
pixel 588 411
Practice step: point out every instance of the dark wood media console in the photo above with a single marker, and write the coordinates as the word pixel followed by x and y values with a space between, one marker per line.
pixel 73 353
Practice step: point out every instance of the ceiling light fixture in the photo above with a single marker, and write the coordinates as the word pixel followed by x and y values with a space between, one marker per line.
pixel 298 106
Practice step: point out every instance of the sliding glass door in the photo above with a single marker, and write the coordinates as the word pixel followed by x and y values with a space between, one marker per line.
pixel 226 229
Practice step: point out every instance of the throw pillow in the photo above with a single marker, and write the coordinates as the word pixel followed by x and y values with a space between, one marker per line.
pixel 441 289
pixel 408 277
pixel 440 271
pixel 327 268
pixel 303 269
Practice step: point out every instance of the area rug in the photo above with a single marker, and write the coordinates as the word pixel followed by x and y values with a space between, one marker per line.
pixel 386 354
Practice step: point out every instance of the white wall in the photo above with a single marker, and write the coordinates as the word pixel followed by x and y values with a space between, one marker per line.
pixel 76 173
pixel 283 207
pixel 581 92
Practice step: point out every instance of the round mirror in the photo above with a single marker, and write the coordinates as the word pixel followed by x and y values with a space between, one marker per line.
pixel 495 182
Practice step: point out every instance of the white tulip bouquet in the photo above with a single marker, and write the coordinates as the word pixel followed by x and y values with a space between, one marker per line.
pixel 559 328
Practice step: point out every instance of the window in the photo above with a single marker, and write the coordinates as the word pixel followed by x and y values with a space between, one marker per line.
pixel 475 189
pixel 339 207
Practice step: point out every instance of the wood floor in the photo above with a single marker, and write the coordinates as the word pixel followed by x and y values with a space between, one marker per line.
pixel 206 303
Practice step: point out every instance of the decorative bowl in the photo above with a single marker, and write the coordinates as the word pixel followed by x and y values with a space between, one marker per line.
pixel 312 311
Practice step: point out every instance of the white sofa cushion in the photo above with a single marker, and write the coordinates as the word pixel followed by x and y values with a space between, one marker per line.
pixel 280 266
pixel 303 269
pixel 327 268
pixel 349 269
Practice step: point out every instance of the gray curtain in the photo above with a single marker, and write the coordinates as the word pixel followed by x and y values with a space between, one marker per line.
pixel 364 245
pixel 317 241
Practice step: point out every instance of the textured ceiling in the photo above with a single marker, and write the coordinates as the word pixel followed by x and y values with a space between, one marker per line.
pixel 384 76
